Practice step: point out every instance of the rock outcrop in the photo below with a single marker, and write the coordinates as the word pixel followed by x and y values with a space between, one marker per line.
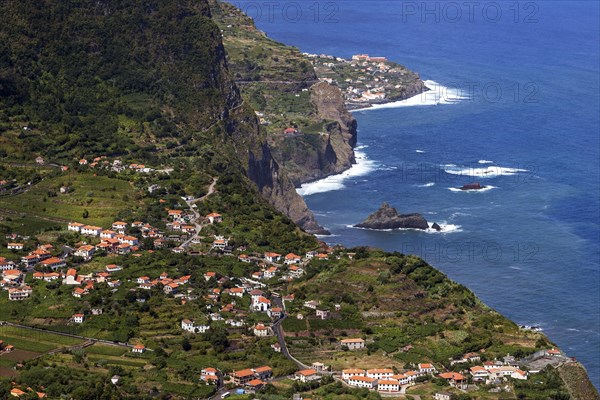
pixel 387 217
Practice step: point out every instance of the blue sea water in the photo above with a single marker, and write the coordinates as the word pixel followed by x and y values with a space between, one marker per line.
pixel 529 246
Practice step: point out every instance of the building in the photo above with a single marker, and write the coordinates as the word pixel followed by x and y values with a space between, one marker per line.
pixel 380 373
pixel 353 344
pixel 210 375
pixel 261 304
pixel 17 294
pixel 272 257
pixel 261 330
pixel 54 263
pixel 307 375
pixel 292 259
pixel 214 218
pixel 479 373
pixel 91 230
pixel 138 349
pixel 190 326
pixel 388 385
pixel 362 382
pixel 75 226
pixel 264 372
pixel 15 246
pixel 244 376
pixel 427 368
pixel 443 396
pixel 323 314
pixel 349 373
pixel 454 379
pixel 78 318
pixel 86 251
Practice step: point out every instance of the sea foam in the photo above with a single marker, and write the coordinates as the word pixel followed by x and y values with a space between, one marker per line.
pixel 437 95
pixel 363 166
pixel 485 172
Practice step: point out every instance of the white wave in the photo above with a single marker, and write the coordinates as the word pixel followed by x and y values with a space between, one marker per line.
pixel 485 162
pixel 437 95
pixel 363 166
pixel 487 172
pixel 446 228
pixel 424 185
pixel 419 151
pixel 362 146
pixel 485 189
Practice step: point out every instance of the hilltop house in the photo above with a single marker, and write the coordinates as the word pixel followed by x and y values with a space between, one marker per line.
pixel 78 318
pixel 353 344
pixel 138 349
pixel 210 375
pixel 91 230
pixel 54 263
pixel 214 218
pixel 261 330
pixel 189 326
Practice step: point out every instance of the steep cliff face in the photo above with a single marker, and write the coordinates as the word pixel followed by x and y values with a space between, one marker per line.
pixel 315 156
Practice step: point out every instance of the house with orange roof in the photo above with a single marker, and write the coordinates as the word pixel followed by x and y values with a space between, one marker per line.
pixel 175 215
pixel 350 372
pixel 264 372
pixel 261 304
pixel 362 382
pixel 71 277
pixel 75 226
pixel 16 392
pixel 220 243
pixel 15 246
pixel 54 263
pixel 214 218
pixel 12 275
pixel 83 161
pixel 254 384
pixel 210 375
pixel 138 349
pixel 380 373
pixel 80 292
pixel 91 230
pixel 113 268
pixel 243 376
pixel 6 264
pixel 454 379
pixel 209 275
pixel 427 368
pixel 307 375
pixel 479 373
pixel 272 257
pixel 107 234
pixel 236 291
pixel 78 318
pixel 292 258
pixel 20 293
pixel 261 330
pixel 86 251
pixel 353 344
pixel 119 226
pixel 244 258
pixel 388 385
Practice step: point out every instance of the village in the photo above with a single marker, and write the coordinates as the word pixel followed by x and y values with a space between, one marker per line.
pixel 366 80
pixel 251 304
pixel 230 300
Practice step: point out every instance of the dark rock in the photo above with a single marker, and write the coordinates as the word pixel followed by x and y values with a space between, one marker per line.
pixel 436 226
pixel 388 218
pixel 472 186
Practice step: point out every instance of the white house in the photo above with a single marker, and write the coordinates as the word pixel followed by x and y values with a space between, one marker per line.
pixel 307 375
pixel 15 246
pixel 107 234
pixel 388 385
pixel 138 349
pixel 209 375
pixel 261 304
pixel 272 257
pixel 380 373
pixel 349 373
pixel 91 230
pixel 75 226
pixel 353 344
pixel 292 258
pixel 362 382
pixel 262 330
pixel 427 368
pixel 214 218
pixel 78 318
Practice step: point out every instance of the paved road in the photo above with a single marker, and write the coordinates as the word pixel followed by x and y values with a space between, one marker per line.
pixel 197 217
pixel 278 330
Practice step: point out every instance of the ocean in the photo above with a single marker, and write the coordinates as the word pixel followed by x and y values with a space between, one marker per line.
pixel 515 107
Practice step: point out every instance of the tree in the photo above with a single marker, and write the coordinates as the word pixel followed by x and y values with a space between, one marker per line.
pixel 86 213
pixel 186 345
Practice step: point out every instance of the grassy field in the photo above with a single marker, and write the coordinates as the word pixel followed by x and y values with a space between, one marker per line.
pixel 34 341
pixel 43 204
